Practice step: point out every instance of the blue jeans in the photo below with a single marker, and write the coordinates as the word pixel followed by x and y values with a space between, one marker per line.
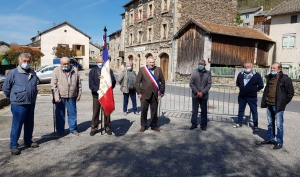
pixel 252 102
pixel 22 114
pixel 70 103
pixel 195 107
pixel 272 115
pixel 132 95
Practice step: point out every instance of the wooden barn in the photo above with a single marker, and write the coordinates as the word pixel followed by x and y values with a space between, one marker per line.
pixel 219 45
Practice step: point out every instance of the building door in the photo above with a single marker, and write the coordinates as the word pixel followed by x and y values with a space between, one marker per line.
pixel 164 64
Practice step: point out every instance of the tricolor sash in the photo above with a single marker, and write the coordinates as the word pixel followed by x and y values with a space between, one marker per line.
pixel 151 77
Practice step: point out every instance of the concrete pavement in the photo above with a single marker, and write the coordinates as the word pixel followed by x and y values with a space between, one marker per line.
pixel 175 151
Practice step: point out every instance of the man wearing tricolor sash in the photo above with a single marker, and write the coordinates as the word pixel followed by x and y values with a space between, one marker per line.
pixel 150 84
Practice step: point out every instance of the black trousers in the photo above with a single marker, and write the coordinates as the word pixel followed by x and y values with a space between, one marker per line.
pixel 153 108
pixel 95 119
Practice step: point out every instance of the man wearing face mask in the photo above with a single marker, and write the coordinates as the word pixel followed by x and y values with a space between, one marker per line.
pixel 127 81
pixel 67 88
pixel 94 82
pixel 150 84
pixel 20 87
pixel 249 83
pixel 200 83
pixel 278 93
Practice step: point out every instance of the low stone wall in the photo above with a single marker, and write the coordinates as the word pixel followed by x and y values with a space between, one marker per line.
pixel 296 84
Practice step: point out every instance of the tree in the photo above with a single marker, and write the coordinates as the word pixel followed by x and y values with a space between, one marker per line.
pixel 12 54
pixel 64 52
pixel 238 19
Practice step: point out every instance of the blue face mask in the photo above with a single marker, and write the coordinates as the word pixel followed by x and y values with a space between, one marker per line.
pixel 129 68
pixel 25 66
pixel 200 67
pixel 247 70
pixel 100 65
pixel 273 73
pixel 66 68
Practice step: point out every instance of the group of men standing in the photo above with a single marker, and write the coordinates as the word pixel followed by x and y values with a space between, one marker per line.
pixel 20 87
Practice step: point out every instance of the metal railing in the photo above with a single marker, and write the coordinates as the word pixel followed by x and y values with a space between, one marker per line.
pixel 222 100
pixel 222 71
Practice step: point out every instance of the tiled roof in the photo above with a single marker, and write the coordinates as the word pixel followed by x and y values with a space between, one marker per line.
pixel 249 10
pixel 286 7
pixel 242 32
pixel 262 13
pixel 19 47
pixel 128 3
pixel 4 43
pixel 115 32
pixel 63 23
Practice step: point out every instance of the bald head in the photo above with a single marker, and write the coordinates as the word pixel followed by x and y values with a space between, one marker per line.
pixel 65 61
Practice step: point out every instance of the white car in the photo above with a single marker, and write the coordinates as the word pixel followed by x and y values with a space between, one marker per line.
pixel 45 74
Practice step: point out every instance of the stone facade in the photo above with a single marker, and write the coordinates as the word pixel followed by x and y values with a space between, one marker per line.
pixel 151 24
pixel 94 50
pixel 3 47
pixel 115 47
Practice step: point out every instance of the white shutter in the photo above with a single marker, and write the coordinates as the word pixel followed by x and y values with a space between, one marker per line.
pixel 291 41
pixel 285 42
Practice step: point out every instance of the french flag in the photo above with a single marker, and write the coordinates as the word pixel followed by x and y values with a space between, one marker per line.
pixel 106 95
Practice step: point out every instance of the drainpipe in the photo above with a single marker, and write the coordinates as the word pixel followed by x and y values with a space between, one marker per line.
pixel 173 44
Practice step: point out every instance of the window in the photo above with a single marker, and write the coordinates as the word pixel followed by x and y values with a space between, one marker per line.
pixel 78 47
pixel 165 5
pixel 288 41
pixel 149 34
pixel 63 45
pixel 65 31
pixel 130 39
pixel 164 31
pixel 140 14
pixel 247 15
pixel 131 18
pixel 140 37
pixel 150 10
pixel 294 19
pixel 92 52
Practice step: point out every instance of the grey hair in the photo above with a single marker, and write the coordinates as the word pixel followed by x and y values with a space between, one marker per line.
pixel 64 58
pixel 248 63
pixel 25 55
pixel 150 57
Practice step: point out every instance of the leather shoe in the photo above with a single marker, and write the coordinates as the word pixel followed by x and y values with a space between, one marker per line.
pixel 268 142
pixel 155 129
pixel 277 146
pixel 193 127
pixel 92 133
pixel 108 132
pixel 203 128
pixel 142 129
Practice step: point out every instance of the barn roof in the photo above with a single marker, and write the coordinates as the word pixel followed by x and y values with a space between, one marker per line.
pixel 286 7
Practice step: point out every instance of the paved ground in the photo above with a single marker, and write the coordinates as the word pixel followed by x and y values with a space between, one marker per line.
pixel 175 151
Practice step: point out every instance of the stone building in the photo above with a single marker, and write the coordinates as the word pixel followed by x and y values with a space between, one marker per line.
pixel 151 24
pixel 3 47
pixel 116 50
pixel 95 50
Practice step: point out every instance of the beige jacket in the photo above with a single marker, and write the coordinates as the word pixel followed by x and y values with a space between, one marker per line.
pixel 62 89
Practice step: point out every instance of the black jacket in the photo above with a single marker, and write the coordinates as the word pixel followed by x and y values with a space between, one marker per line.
pixel 254 85
pixel 94 80
pixel 284 91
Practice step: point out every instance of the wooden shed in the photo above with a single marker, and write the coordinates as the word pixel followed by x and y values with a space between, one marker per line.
pixel 219 45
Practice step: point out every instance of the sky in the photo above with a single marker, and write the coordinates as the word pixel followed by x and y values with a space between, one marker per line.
pixel 20 20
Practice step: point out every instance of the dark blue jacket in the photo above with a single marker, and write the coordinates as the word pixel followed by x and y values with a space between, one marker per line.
pixel 94 80
pixel 254 85
pixel 20 87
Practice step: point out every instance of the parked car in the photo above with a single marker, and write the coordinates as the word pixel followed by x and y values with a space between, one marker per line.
pixel 45 74
pixel 2 79
pixel 41 68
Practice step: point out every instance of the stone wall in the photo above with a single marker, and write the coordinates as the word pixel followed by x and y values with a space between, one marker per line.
pixel 214 11
pixel 296 84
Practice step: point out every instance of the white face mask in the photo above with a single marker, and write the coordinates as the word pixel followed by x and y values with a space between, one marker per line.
pixel 100 65
pixel 25 66
pixel 129 68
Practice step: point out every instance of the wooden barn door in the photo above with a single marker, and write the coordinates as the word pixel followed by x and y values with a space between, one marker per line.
pixel 164 64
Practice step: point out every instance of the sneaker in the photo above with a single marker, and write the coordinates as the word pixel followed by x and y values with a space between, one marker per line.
pixel 92 133
pixel 32 145
pixel 277 146
pixel 256 129
pixel 15 151
pixel 75 133
pixel 125 113
pixel 237 125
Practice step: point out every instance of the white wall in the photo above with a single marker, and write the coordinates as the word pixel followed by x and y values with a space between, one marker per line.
pixel 58 36
pixel 96 51
pixel 281 25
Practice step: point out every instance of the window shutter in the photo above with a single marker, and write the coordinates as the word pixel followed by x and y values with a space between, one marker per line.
pixel 291 41
pixel 67 46
pixel 285 42
pixel 83 50
pixel 58 46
